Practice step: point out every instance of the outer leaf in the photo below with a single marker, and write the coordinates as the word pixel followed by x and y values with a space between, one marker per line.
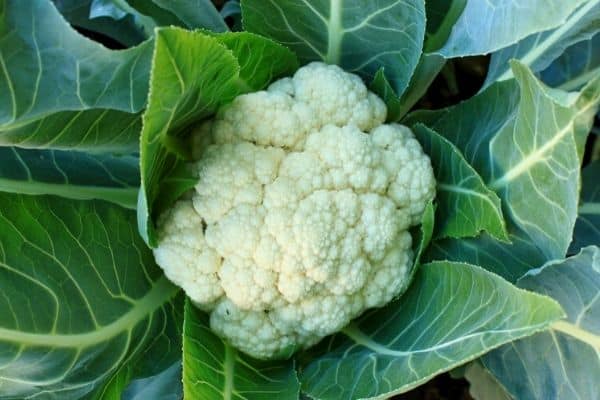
pixel 192 75
pixel 537 51
pixel 359 36
pixel 563 363
pixel 195 13
pixel 525 142
pixel 487 26
pixel 509 260
pixel 70 174
pixel 576 66
pixel 451 313
pixel 118 9
pixel 587 226
pixel 212 369
pixel 163 386
pixel 465 205
pixel 58 89
pixel 537 162
pixel 124 30
pixel 470 125
pixel 81 296
pixel 483 385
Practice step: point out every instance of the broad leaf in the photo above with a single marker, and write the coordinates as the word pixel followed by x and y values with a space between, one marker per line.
pixel 487 26
pixel 451 313
pixel 525 142
pixel 61 90
pixel 509 260
pixel 193 73
pixel 576 66
pixel 537 51
pixel 359 36
pixel 213 369
pixel 124 30
pixel 536 158
pixel 563 363
pixel 482 384
pixel 587 226
pixel 81 296
pixel 70 174
pixel 195 13
pixel 465 205
pixel 164 386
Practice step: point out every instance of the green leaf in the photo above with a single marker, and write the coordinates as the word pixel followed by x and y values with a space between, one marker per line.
pixel 536 157
pixel 164 386
pixel 587 226
pixel 361 37
pixel 424 234
pixel 570 350
pixel 119 9
pixel 381 87
pixel 195 13
pixel 442 15
pixel 482 384
pixel 70 174
pixel 193 73
pixel 576 66
pixel 81 296
pixel 465 205
pixel 537 51
pixel 212 369
pixel 428 68
pixel 452 313
pixel 487 26
pixel 61 90
pixel 525 141
pixel 509 260
pixel 124 30
pixel 470 125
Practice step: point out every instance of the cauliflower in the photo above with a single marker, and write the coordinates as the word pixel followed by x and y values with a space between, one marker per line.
pixel 299 220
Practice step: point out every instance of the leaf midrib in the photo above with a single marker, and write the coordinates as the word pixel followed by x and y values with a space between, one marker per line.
pixel 334 32
pixel 533 158
pixel 123 196
pixel 360 338
pixel 161 293
pixel 577 332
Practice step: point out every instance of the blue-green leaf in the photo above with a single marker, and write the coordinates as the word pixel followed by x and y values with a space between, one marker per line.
pixel 576 66
pixel 85 309
pixel 487 26
pixel 451 313
pixel 525 141
pixel 465 205
pixel 570 350
pixel 360 36
pixel 70 174
pixel 587 226
pixel 124 30
pixel 214 370
pixel 61 90
pixel 537 51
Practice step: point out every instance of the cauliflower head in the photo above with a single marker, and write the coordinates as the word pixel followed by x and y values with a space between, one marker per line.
pixel 299 220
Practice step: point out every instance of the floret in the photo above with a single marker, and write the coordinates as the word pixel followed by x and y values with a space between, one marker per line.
pixel 299 220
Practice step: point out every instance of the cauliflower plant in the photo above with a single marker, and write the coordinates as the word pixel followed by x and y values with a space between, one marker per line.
pixel 299 221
